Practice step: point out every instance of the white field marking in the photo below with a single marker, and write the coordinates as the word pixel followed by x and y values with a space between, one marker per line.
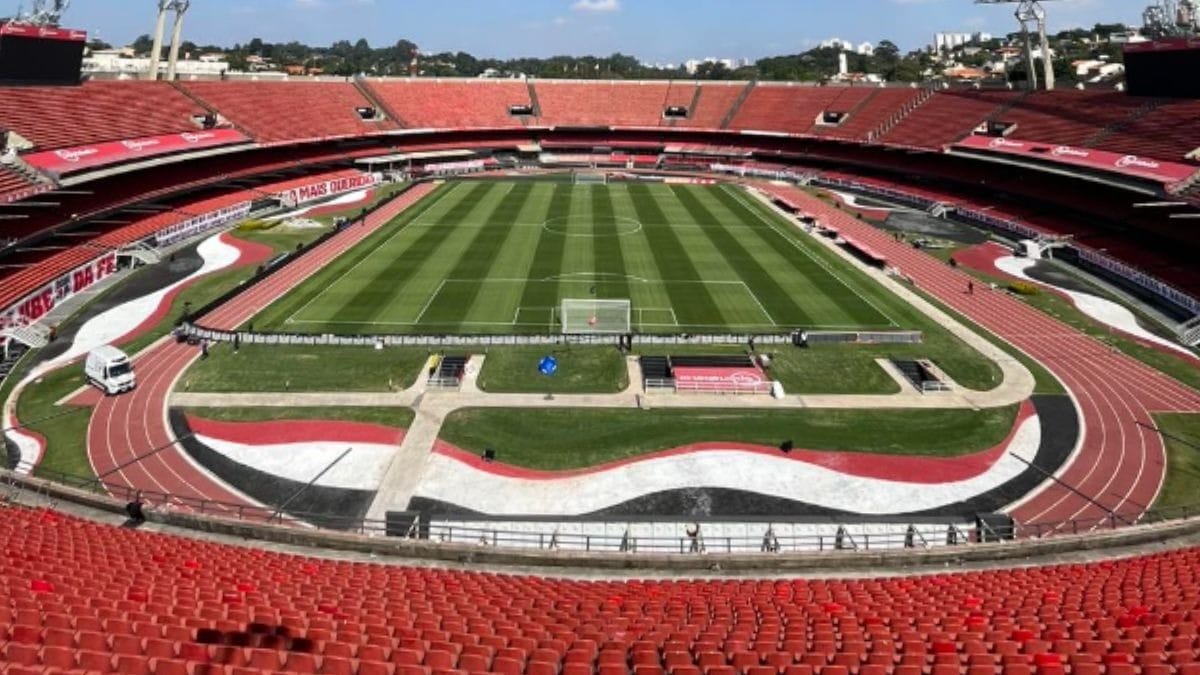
pixel 429 302
pixel 760 305
pixel 825 266
pixel 382 245
pixel 501 324
pixel 578 276
pixel 746 288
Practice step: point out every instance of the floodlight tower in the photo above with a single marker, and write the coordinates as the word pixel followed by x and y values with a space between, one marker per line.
pixel 1030 13
pixel 156 51
pixel 181 8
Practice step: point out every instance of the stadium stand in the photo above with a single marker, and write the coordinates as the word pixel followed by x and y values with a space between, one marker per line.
pixel 449 104
pixel 1069 117
pixel 29 270
pixel 602 103
pixel 1167 131
pixel 715 102
pixel 946 117
pixel 793 109
pixel 880 106
pixel 78 596
pixel 12 183
pixel 63 117
pixel 276 112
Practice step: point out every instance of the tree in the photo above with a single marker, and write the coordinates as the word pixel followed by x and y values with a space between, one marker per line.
pixel 143 44
pixel 712 71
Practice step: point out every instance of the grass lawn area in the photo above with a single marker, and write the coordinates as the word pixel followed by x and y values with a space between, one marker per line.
pixel 260 368
pixel 1182 487
pixel 401 418
pixel 66 436
pixel 581 370
pixel 378 194
pixel 568 438
pixel 1064 310
pixel 821 369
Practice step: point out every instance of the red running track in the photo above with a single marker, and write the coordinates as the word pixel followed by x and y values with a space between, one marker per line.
pixel 125 427
pixel 1119 464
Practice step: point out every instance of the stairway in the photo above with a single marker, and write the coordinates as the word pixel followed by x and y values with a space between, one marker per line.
pixel 887 125
pixel 208 108
pixel 31 335
pixel 533 99
pixel 1098 138
pixel 737 105
pixel 364 88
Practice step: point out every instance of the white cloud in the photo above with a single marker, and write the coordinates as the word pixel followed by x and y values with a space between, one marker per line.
pixel 596 6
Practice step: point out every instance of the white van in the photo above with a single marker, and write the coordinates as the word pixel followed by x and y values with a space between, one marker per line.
pixel 110 369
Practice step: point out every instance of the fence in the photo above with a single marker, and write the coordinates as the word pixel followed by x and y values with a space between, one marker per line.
pixel 441 341
pixel 631 536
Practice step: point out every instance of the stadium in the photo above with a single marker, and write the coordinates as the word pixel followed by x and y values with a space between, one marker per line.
pixel 416 375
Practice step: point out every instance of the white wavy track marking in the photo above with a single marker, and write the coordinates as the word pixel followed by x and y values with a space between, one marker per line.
pixel 109 326
pixel 362 469
pixel 1100 309
pixel 454 482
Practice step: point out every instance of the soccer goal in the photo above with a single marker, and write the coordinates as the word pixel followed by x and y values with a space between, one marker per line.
pixel 591 178
pixel 596 317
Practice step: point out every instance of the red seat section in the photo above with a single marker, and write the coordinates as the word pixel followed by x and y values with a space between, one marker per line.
pixel 1170 131
pixel 947 117
pixel 12 185
pixel 602 103
pixel 80 595
pixel 715 103
pixel 794 108
pixel 62 117
pixel 1069 117
pixel 450 104
pixel 275 112
pixel 879 107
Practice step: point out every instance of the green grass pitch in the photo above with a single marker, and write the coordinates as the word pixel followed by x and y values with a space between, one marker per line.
pixel 498 257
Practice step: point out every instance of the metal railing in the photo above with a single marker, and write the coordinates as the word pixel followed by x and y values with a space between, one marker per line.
pixel 714 535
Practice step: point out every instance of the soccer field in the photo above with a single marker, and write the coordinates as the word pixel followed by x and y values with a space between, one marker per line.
pixel 499 257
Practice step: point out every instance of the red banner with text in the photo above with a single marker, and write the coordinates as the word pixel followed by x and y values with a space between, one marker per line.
pixel 1088 158
pixel 43 32
pixel 39 303
pixel 83 157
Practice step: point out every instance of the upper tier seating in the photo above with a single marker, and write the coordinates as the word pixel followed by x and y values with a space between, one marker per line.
pixel 1068 117
pixel 947 117
pixel 1170 131
pixel 794 109
pixel 679 94
pixel 716 101
pixel 602 103
pixel 80 596
pixel 880 106
pixel 290 111
pixel 432 104
pixel 61 117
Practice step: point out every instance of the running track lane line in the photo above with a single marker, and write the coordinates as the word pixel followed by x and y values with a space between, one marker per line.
pixel 125 427
pixel 1120 464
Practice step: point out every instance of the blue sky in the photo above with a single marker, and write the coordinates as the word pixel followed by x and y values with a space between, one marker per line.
pixel 654 30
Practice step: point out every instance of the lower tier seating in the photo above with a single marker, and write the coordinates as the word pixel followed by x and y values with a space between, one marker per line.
pixel 11 185
pixel 76 596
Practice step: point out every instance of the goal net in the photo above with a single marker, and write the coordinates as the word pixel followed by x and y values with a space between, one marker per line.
pixel 598 317
pixel 591 178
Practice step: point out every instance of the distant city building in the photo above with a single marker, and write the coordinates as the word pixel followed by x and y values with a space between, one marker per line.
pixel 945 42
pixel 692 65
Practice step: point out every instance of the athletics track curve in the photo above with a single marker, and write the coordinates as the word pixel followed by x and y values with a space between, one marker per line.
pixel 1120 464
pixel 126 427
